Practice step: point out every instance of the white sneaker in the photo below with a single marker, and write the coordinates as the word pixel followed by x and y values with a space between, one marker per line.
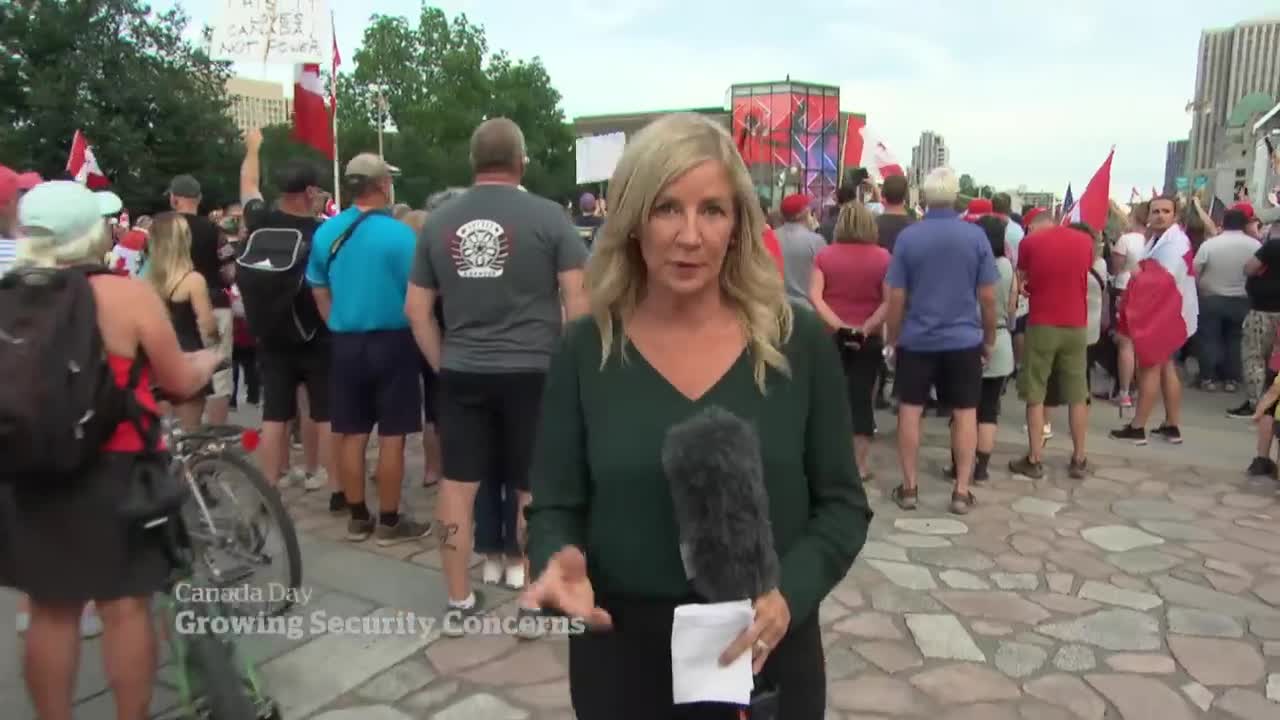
pixel 492 572
pixel 315 481
pixel 515 577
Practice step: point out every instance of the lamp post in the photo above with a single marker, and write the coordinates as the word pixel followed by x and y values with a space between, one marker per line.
pixel 382 122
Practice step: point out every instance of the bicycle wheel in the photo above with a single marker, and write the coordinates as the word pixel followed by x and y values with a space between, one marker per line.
pixel 227 481
pixel 212 663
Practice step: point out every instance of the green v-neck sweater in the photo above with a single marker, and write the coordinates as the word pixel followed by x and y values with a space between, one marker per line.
pixel 598 481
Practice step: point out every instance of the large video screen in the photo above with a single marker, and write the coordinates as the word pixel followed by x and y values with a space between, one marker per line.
pixel 789 134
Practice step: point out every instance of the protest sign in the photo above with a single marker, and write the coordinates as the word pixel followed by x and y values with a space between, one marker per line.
pixel 272 31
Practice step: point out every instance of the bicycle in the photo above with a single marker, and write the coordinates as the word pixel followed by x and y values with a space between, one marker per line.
pixel 216 457
pixel 214 681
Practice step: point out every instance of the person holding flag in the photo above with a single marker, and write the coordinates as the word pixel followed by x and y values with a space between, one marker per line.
pixel 1148 318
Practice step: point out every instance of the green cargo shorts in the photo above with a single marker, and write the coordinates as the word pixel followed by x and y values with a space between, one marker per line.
pixel 1054 350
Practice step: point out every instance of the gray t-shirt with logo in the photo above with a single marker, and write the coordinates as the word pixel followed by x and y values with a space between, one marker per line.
pixel 493 255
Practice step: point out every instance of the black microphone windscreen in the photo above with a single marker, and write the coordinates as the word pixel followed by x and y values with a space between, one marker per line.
pixel 713 465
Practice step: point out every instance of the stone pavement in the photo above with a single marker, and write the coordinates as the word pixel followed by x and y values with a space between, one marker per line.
pixel 1150 590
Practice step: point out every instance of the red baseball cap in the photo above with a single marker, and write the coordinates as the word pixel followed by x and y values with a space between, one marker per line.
pixel 1031 215
pixel 8 184
pixel 977 208
pixel 1246 208
pixel 793 205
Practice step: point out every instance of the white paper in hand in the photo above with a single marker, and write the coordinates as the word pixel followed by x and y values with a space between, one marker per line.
pixel 699 634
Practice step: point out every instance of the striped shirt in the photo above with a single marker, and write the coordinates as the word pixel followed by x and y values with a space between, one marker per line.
pixel 8 253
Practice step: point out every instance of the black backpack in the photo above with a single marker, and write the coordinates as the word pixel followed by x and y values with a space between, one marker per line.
pixel 59 402
pixel 271 274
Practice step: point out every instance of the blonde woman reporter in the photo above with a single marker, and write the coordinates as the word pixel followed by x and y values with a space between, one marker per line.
pixel 848 291
pixel 687 312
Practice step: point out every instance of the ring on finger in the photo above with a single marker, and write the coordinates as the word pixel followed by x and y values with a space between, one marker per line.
pixel 762 647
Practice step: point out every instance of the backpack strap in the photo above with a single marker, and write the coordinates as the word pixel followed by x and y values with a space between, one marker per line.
pixel 135 414
pixel 346 234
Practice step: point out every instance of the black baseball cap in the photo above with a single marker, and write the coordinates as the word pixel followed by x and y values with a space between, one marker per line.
pixel 296 176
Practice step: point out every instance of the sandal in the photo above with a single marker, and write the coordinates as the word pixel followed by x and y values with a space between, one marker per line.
pixel 906 499
pixel 962 504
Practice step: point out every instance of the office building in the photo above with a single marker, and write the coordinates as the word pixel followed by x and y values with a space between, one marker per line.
pixel 1175 164
pixel 1232 63
pixel 255 103
pixel 927 156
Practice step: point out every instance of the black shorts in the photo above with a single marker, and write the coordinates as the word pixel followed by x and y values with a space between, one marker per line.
pixel 376 380
pixel 283 370
pixel 430 394
pixel 860 369
pixel 488 423
pixel 1020 325
pixel 955 374
pixel 989 403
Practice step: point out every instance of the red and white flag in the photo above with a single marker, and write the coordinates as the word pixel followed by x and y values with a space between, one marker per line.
pixel 333 75
pixel 865 148
pixel 311 121
pixel 83 165
pixel 1095 203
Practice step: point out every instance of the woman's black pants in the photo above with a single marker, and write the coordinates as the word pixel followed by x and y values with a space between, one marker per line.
pixel 625 673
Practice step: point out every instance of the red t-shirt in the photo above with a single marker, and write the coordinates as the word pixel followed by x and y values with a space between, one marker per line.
pixel 853 279
pixel 1056 263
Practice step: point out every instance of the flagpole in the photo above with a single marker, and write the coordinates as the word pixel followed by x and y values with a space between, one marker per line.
pixel 337 173
pixel 333 92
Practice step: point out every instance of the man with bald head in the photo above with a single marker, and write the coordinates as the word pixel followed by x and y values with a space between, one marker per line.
pixel 508 265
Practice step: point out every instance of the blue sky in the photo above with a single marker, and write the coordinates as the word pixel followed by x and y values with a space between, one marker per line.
pixel 1030 93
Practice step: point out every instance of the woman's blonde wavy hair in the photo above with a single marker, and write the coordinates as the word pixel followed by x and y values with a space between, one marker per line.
pixel 749 279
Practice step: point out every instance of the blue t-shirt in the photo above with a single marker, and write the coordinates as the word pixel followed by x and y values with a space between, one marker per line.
pixel 941 262
pixel 370 276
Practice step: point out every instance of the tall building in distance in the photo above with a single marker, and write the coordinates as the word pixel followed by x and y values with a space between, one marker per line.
pixel 1175 164
pixel 929 155
pixel 255 103
pixel 1232 63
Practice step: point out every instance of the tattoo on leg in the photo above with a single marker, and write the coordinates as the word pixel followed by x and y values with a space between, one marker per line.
pixel 446 531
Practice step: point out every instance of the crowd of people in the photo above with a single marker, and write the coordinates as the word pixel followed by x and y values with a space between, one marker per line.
pixel 509 331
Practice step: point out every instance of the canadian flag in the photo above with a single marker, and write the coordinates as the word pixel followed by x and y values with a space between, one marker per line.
pixel 83 165
pixel 311 121
pixel 1094 204
pixel 864 148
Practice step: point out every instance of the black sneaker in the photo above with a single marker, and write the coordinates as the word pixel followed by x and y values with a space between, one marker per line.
pixel 405 530
pixel 1137 435
pixel 359 529
pixel 455 625
pixel 1244 412
pixel 1024 466
pixel 1170 433
pixel 1262 467
pixel 1078 469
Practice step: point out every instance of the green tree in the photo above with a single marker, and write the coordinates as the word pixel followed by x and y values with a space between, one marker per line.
pixel 440 79
pixel 968 186
pixel 153 105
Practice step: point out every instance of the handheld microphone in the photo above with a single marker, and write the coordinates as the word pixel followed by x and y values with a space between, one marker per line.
pixel 713 464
